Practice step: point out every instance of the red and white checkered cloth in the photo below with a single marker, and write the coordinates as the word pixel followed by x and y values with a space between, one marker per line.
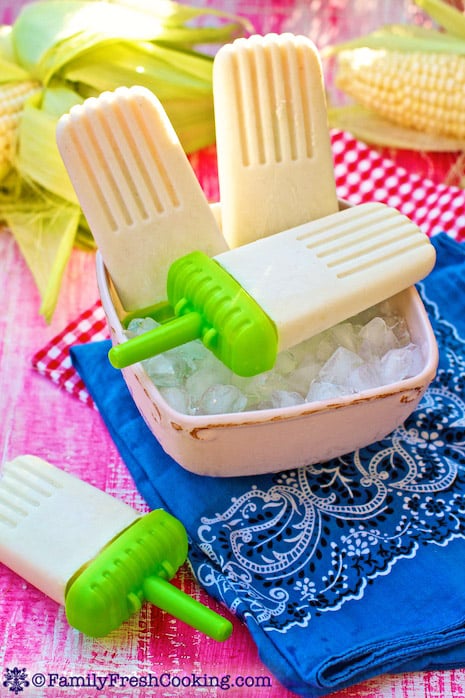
pixel 53 360
pixel 362 175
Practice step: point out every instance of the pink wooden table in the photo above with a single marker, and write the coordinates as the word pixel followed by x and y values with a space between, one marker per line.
pixel 36 417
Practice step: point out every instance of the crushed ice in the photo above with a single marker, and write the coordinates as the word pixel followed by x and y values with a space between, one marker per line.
pixel 370 350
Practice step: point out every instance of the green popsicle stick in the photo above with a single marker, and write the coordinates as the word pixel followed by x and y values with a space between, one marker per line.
pixel 169 598
pixel 178 331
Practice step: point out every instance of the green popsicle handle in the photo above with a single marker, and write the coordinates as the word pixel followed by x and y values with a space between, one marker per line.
pixel 178 604
pixel 173 333
pixel 133 568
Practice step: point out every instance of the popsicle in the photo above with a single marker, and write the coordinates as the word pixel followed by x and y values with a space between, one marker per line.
pixel 253 301
pixel 275 165
pixel 92 553
pixel 137 189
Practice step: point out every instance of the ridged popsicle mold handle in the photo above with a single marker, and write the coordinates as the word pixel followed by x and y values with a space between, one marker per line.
pixel 235 328
pixel 115 584
pixel 211 305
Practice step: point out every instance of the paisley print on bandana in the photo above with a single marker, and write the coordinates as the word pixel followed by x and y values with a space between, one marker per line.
pixel 303 542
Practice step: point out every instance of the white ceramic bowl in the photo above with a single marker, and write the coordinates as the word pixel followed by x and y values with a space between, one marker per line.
pixel 264 441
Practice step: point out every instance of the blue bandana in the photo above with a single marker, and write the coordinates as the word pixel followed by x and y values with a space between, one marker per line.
pixel 342 570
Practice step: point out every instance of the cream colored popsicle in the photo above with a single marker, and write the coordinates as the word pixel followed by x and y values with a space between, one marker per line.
pixel 137 189
pixel 52 523
pixel 275 165
pixel 311 277
pixel 91 552
pixel 253 301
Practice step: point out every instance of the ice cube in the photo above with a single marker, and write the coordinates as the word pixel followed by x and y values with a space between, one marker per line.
pixel 339 366
pixel 324 390
pixel 401 363
pixel 300 379
pixel 166 369
pixel 307 349
pixel 285 362
pixel 400 328
pixel 219 399
pixel 177 398
pixel 138 326
pixel 346 334
pixel 366 376
pixel 195 354
pixel 376 339
pixel 198 382
pixel 285 398
pixel 326 347
pixel 258 388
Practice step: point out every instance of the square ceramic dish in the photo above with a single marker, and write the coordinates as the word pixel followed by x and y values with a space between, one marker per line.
pixel 270 440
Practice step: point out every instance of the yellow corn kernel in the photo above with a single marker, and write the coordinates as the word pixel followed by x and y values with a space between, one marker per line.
pixel 422 91
pixel 13 96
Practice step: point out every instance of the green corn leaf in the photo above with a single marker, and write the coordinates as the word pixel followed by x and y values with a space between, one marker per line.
pixel 195 127
pixel 201 35
pixel 49 34
pixel 403 37
pixel 448 17
pixel 58 100
pixel 425 34
pixel 142 64
pixel 187 61
pixel 11 72
pixel 45 231
pixel 84 239
pixel 42 28
pixel 40 164
pixel 6 44
pixel 9 68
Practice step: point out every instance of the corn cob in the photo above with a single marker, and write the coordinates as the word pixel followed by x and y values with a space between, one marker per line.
pixel 13 97
pixel 417 90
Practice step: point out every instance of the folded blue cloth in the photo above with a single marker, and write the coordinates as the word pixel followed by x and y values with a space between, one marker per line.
pixel 343 570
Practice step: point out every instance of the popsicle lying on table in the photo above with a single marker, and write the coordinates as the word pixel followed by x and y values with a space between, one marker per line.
pixel 92 553
pixel 253 301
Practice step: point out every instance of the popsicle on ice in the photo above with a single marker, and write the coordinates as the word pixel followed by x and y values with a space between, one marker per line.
pixel 92 553
pixel 253 301
pixel 275 165
pixel 137 189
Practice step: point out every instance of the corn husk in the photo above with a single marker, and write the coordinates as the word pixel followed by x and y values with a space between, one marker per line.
pixel 448 17
pixel 45 230
pixel 370 126
pixel 76 49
